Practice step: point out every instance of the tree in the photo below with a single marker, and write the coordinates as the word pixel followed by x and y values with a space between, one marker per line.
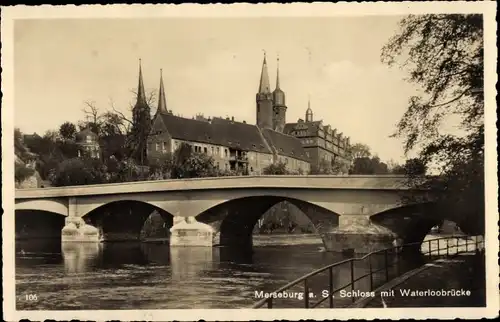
pixel 443 54
pixel 368 165
pixel 93 118
pixel 67 131
pixel 359 150
pixel 415 167
pixel 276 169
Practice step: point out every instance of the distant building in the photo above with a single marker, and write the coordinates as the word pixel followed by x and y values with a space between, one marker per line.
pixel 88 144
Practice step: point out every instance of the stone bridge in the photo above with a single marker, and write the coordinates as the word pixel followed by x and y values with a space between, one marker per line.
pixel 348 212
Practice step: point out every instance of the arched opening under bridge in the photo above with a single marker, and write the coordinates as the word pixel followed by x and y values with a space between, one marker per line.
pixel 236 221
pixel 130 220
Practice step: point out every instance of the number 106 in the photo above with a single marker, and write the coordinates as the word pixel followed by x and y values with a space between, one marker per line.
pixel 31 297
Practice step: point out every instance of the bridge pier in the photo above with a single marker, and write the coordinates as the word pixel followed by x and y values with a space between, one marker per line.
pixel 186 231
pixel 359 234
pixel 75 228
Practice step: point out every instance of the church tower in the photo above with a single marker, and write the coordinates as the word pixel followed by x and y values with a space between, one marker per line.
pixel 141 123
pixel 279 108
pixel 264 100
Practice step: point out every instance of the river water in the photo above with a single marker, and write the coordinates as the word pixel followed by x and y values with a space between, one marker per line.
pixel 155 276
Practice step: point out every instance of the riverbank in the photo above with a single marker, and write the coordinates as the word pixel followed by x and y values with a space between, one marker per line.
pixel 461 277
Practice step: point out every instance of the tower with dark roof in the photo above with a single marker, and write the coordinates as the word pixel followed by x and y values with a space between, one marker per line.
pixel 264 99
pixel 141 126
pixel 279 106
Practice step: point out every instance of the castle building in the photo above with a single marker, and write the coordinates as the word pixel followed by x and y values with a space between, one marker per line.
pixel 239 146
pixel 323 144
pixel 233 145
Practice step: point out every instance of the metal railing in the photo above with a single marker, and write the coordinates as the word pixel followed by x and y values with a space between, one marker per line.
pixel 397 251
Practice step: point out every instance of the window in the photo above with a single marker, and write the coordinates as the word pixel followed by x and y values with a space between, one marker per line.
pixel 157 146
pixel 212 150
pixel 205 150
pixel 251 169
pixel 225 152
pixel 164 146
pixel 218 150
pixel 89 138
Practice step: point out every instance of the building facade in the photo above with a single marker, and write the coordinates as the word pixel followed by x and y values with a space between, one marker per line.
pixel 88 144
pixel 324 144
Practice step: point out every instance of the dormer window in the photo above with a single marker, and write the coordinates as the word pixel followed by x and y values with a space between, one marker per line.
pixel 89 138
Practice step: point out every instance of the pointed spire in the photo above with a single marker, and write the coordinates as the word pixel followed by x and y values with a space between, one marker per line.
pixel 264 86
pixel 278 73
pixel 141 93
pixel 309 112
pixel 162 100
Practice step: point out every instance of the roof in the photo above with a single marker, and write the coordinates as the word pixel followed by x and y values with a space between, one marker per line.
pixel 310 127
pixel 83 133
pixel 240 135
pixel 219 131
pixel 285 144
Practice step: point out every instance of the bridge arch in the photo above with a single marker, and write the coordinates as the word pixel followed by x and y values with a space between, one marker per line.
pixel 46 205
pixel 234 220
pixel 412 223
pixel 34 223
pixel 124 219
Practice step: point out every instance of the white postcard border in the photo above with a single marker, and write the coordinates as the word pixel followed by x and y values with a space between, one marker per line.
pixel 9 14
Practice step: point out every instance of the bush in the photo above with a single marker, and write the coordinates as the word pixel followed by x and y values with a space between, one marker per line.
pixel 22 172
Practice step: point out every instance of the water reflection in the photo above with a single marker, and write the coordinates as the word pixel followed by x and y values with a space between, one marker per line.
pixel 80 257
pixel 189 262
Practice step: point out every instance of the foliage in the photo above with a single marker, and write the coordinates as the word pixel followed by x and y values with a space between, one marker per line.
pixel 367 165
pixel 22 172
pixel 326 167
pixel 278 168
pixel 444 55
pixel 79 171
pixel 184 163
pixel 67 131
pixel 359 150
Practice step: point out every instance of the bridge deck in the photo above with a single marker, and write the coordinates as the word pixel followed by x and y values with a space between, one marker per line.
pixel 387 182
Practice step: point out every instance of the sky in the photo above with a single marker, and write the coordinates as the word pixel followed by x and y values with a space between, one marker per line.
pixel 211 66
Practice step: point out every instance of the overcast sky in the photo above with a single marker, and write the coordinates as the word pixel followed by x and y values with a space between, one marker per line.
pixel 212 66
